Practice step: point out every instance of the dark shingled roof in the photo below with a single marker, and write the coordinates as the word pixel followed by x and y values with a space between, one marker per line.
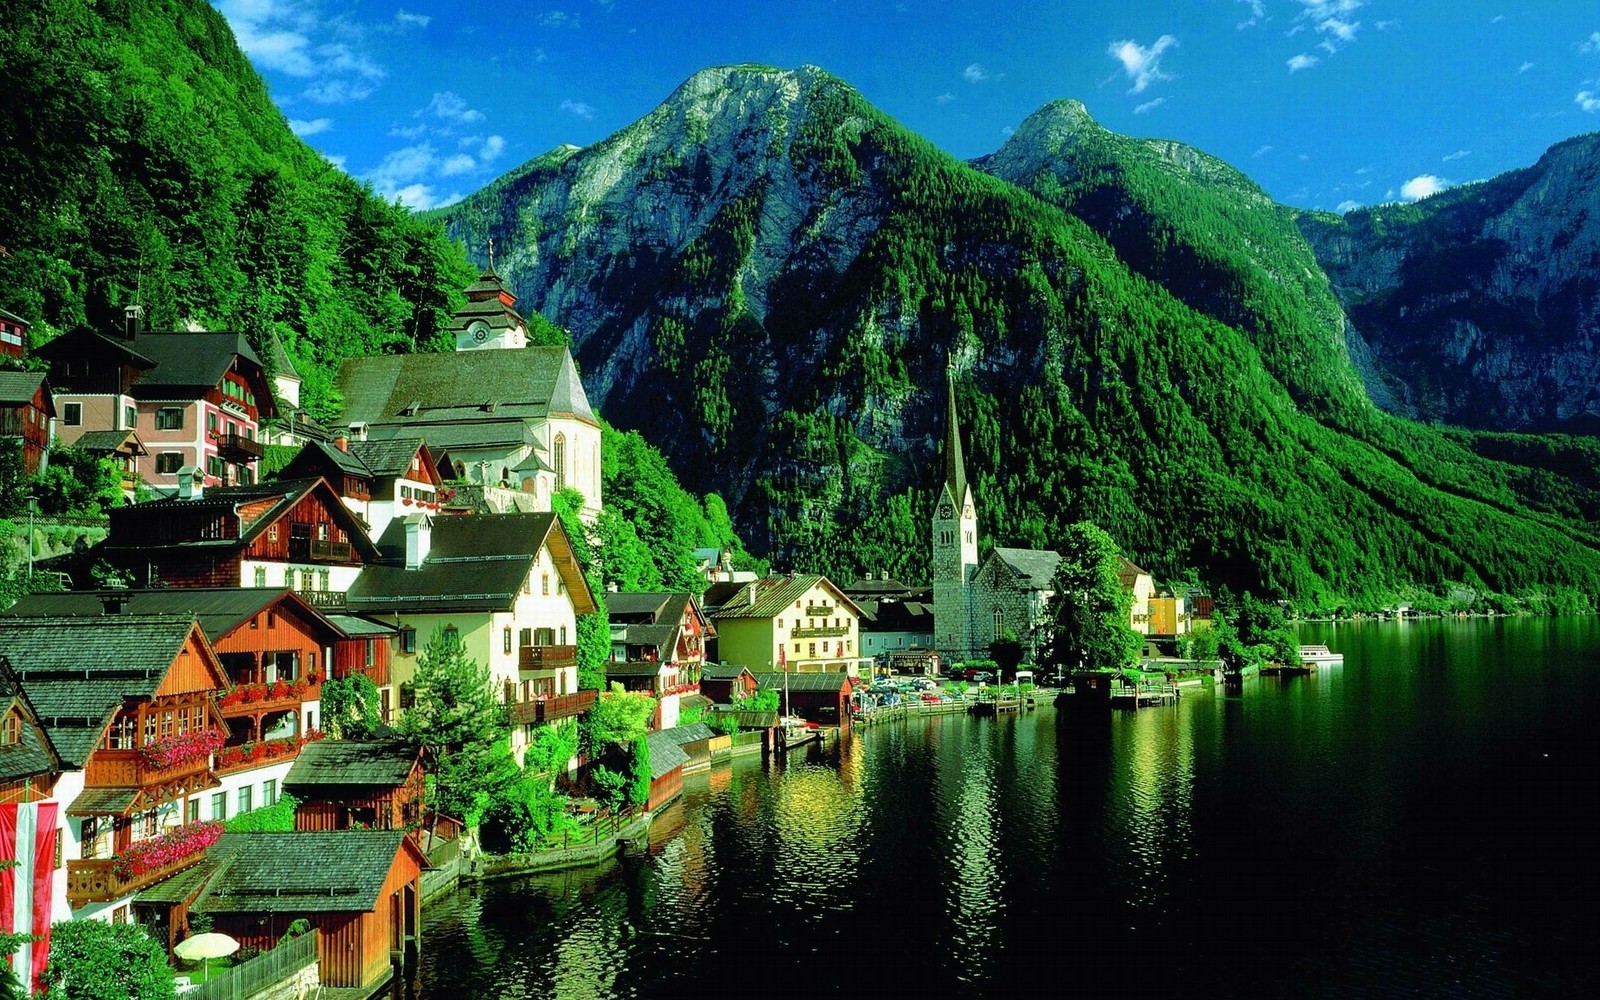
pixel 358 627
pixel 1034 569
pixel 749 718
pixel 722 671
pixel 189 359
pixel 775 595
pixel 179 887
pixel 33 754
pixel 825 680
pixel 347 763
pixel 689 734
pixel 440 396
pixel 633 668
pixel 475 563
pixel 220 610
pixel 108 442
pixel 130 525
pixel 665 754
pixel 645 609
pixel 78 671
pixel 300 871
pixel 17 388
pixel 1129 572
pixel 387 459
pixel 655 637
pixel 103 802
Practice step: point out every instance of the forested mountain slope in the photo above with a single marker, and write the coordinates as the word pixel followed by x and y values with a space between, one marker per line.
pixel 767 276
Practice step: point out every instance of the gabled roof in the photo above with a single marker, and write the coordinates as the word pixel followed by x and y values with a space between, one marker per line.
pixel 749 718
pixel 84 342
pixel 437 396
pixel 17 388
pixel 13 317
pixel 111 443
pixel 78 671
pixel 345 763
pixel 33 755
pixel 634 668
pixel 302 871
pixel 280 358
pixel 476 562
pixel 191 359
pixel 1128 572
pixel 129 525
pixel 661 638
pixel 219 610
pixel 1033 569
pixel 689 734
pixel 722 671
pixel 665 754
pixel 825 680
pixel 391 458
pixel 315 456
pixel 642 609
pixel 776 595
pixel 898 616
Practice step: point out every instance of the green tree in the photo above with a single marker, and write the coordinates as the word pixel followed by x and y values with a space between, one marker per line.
pixel 351 707
pixel 1089 612
pixel 95 960
pixel 639 774
pixel 1006 652
pixel 593 630
pixel 462 727
pixel 618 718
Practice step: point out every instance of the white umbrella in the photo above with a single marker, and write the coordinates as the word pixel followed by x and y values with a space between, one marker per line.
pixel 203 947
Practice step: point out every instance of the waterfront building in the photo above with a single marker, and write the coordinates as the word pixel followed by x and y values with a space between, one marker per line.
pixel 27 417
pixel 819 697
pixel 1169 613
pixel 726 683
pixel 197 398
pixel 1141 585
pixel 896 626
pixel 797 623
pixel 129 705
pixel 506 587
pixel 1012 594
pixel 344 785
pixel 658 645
pixel 667 761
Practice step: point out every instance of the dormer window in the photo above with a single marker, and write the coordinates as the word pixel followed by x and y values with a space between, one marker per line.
pixel 11 730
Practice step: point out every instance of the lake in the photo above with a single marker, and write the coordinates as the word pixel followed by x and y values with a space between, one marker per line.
pixel 1412 823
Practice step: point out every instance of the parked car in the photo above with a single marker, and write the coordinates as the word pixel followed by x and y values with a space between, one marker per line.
pixel 982 677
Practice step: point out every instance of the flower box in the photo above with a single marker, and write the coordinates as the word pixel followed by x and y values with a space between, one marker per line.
pixel 181 748
pixel 157 852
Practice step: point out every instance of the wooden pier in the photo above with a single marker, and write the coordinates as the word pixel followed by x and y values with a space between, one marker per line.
pixel 996 706
pixel 1137 696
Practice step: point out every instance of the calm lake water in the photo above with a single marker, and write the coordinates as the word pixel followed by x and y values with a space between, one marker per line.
pixel 1414 823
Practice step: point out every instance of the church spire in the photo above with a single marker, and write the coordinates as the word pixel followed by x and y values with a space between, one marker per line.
pixel 955 468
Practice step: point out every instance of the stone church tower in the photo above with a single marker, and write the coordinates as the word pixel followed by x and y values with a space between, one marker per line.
pixel 955 547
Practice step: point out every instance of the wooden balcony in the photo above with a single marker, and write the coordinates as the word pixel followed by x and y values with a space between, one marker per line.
pixel 560 706
pixel 93 881
pixel 326 600
pixel 128 769
pixel 238 708
pixel 548 657
pixel 236 447
pixel 318 550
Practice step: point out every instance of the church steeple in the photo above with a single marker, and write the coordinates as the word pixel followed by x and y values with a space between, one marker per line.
pixel 955 466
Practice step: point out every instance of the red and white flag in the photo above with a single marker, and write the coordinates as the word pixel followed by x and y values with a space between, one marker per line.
pixel 28 837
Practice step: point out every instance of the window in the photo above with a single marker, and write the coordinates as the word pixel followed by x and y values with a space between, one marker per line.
pixel 192 809
pixel 219 805
pixel 999 623
pixel 305 579
pixel 272 532
pixel 11 730
pixel 245 795
pixel 546 586
pixel 123 734
pixel 563 635
pixel 130 418
pixel 824 647
pixel 150 827
pixel 269 791
pixel 813 650
pixel 169 418
pixel 169 462
pixel 372 651
pixel 408 640
pixel 322 579
pixel 72 414
pixel 506 637
pixel 211 423
pixel 560 455
pixel 261 581
pixel 452 637
pixel 797 649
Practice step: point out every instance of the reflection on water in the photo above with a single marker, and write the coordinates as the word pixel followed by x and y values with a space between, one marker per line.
pixel 1405 824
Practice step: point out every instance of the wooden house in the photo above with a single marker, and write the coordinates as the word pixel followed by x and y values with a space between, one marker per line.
pixel 823 698
pixel 29 764
pixel 13 334
pixel 667 760
pixel 122 447
pixel 26 410
pixel 695 742
pixel 130 707
pixel 725 684
pixel 378 480
pixel 342 784
pixel 360 890
pixel 290 533
pixel 800 623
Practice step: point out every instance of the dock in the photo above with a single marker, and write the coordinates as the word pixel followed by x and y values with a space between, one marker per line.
pixel 996 706
pixel 1137 696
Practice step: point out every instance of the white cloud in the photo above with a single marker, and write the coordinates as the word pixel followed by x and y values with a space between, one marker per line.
pixel 1260 152
pixel 975 73
pixel 315 126
pixel 1142 65
pixel 1258 13
pixel 1386 25
pixel 578 108
pixel 1347 206
pixel 337 92
pixel 1363 171
pixel 944 98
pixel 1149 106
pixel 1459 154
pixel 1588 100
pixel 407 19
pixel 1422 186
pixel 492 147
pixel 450 106
pixel 458 164
pixel 337 161
pixel 1497 19
pixel 294 38
pixel 1525 67
pixel 1008 131
pixel 409 132
pixel 1591 44
pixel 539 56
pixel 1302 61
pixel 1332 21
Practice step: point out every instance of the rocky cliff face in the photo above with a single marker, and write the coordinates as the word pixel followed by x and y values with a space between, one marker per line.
pixel 1481 305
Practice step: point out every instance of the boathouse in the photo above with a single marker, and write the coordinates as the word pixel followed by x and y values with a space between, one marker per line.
pixel 342 784
pixel 666 770
pixel 816 697
pixel 726 684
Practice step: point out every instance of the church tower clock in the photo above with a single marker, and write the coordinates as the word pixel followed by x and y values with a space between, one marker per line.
pixel 955 547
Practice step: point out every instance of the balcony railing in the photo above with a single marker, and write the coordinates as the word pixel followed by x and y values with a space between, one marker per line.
pixel 819 633
pixel 319 550
pixel 238 448
pixel 326 600
pixel 548 657
pixel 553 707
pixel 96 881
pixel 682 688
pixel 129 769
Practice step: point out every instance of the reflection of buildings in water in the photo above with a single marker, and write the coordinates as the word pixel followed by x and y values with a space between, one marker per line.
pixel 851 753
pixel 975 882
pixel 1155 776
pixel 816 821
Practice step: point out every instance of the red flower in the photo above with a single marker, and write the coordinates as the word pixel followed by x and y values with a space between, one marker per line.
pixel 157 852
pixel 181 748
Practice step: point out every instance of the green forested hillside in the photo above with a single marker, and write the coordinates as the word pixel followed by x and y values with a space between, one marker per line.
pixel 798 268
pixel 145 161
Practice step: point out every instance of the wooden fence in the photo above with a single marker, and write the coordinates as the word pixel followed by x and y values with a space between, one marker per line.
pixel 270 967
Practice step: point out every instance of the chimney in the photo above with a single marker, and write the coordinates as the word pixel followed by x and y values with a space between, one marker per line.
pixel 191 482
pixel 419 538
pixel 115 603
pixel 132 322
pixel 358 431
pixel 341 440
pixel 751 592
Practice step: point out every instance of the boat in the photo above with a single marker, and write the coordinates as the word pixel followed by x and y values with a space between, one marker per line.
pixel 798 732
pixel 1320 656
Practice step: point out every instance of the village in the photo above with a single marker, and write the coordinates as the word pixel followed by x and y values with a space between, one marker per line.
pixel 205 728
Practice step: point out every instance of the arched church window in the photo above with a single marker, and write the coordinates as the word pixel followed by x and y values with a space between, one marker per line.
pixel 559 455
pixel 999 623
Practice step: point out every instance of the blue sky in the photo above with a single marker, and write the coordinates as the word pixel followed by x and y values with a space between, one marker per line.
pixel 1325 103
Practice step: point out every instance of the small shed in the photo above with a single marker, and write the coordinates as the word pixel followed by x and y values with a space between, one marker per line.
pixel 753 721
pixel 341 784
pixel 725 683
pixel 822 697
pixel 666 770
pixel 695 741
pixel 360 889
